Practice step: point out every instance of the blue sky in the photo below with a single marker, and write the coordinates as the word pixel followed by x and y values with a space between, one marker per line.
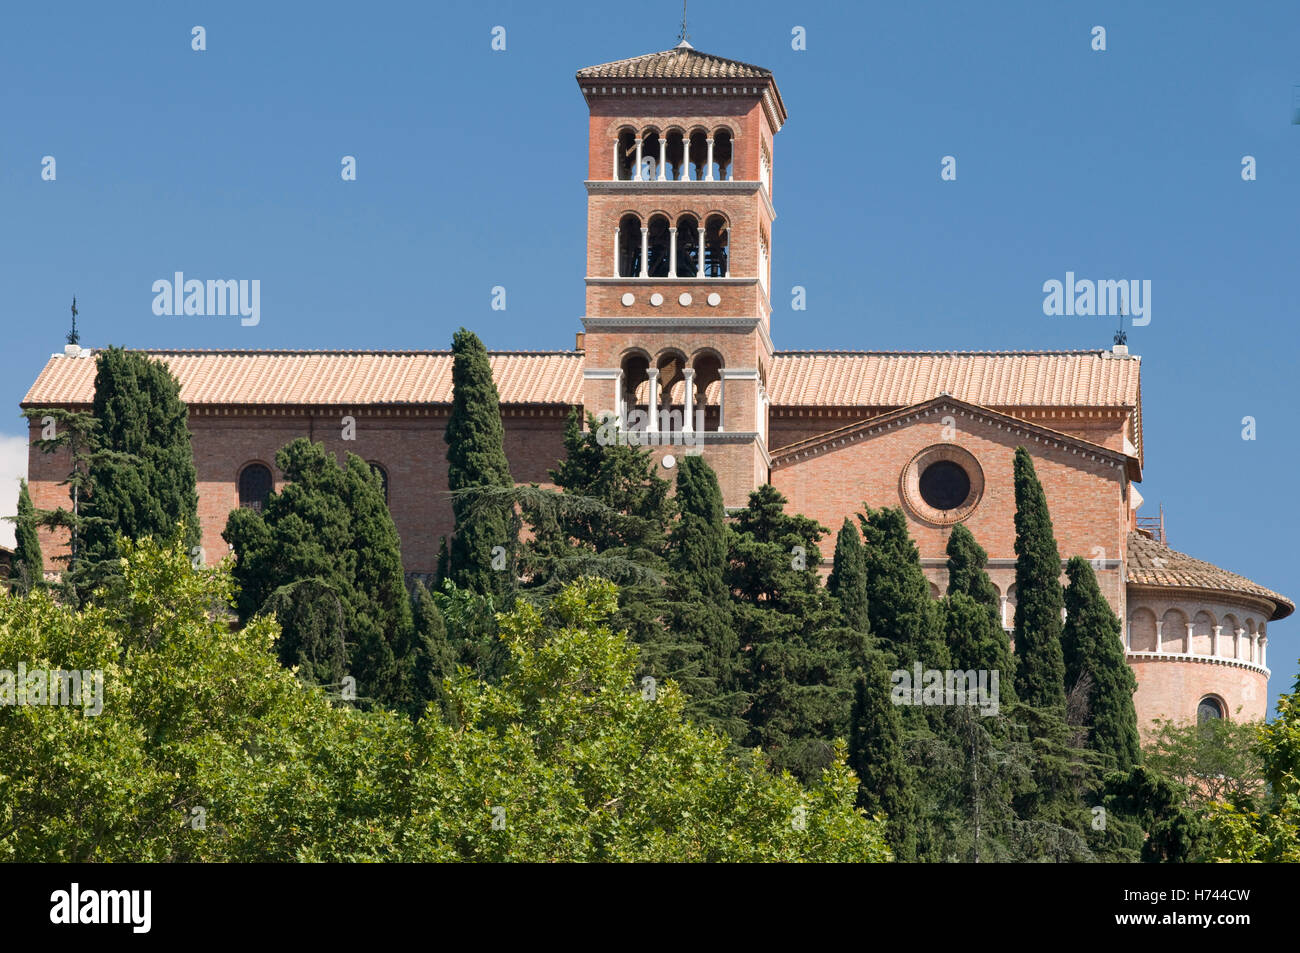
pixel 1117 164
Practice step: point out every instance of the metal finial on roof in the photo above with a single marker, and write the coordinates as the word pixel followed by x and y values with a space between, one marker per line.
pixel 683 38
pixel 1121 336
pixel 73 336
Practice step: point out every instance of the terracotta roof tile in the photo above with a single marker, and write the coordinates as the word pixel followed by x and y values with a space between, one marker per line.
pixel 989 378
pixel 682 62
pixel 1153 564
pixel 327 377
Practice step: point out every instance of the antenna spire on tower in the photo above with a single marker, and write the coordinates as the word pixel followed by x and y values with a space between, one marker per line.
pixel 683 38
pixel 73 336
pixel 1121 336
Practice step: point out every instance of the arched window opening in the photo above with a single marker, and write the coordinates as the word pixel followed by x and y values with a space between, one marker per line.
pixel 383 478
pixel 629 247
pixel 625 156
pixel 672 392
pixel 651 156
pixel 715 247
pixel 707 397
pixel 660 246
pixel 722 155
pixel 254 486
pixel 698 155
pixel 676 156
pixel 1209 709
pixel 688 247
pixel 635 391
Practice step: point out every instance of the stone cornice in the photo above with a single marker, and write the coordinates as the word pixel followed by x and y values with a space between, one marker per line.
pixel 655 187
pixel 1206 659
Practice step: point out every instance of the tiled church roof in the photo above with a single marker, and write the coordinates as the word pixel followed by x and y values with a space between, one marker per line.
pixel 1153 564
pixel 999 379
pixel 988 378
pixel 330 378
pixel 682 62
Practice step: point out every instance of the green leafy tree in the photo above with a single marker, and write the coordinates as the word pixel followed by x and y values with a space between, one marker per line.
pixel 476 458
pixel 1269 833
pixel 142 468
pixel 1040 668
pixel 27 569
pixel 1093 651
pixel 205 749
pixel 1216 760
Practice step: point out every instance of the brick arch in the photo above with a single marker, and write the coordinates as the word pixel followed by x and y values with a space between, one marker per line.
pixel 1174 633
pixel 1203 624
pixel 1142 630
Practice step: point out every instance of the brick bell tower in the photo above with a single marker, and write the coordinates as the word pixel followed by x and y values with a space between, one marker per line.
pixel 679 236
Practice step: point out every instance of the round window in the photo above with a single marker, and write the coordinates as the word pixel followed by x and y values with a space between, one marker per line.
pixel 944 485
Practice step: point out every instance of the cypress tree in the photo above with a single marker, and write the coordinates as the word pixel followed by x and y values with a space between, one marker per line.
pixel 848 579
pixel 142 469
pixel 27 570
pixel 1040 669
pixel 967 560
pixel 970 615
pixel 700 604
pixel 799 665
pixel 901 611
pixel 322 548
pixel 877 756
pixel 476 458
pixel 1093 647
pixel 434 657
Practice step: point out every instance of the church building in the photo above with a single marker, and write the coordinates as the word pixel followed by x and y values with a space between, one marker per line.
pixel 677 343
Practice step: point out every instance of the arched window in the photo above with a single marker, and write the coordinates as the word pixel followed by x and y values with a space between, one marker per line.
pixel 629 247
pixel 659 246
pixel 697 155
pixel 676 156
pixel 254 486
pixel 688 247
pixel 1208 709
pixel 715 247
pixel 722 155
pixel 625 156
pixel 383 478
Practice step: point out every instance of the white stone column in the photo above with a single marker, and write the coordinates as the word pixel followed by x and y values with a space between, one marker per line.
pixel 618 400
pixel 1236 652
pixel 1187 649
pixel 654 399
pixel 637 177
pixel 1263 652
pixel 645 251
pixel 688 424
pixel 699 250
pixel 1254 647
pixel 616 236
pixel 1160 636
pixel 708 166
pixel 616 145
pixel 1214 642
pixel 672 252
pixel 1004 612
pixel 663 159
pixel 722 402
